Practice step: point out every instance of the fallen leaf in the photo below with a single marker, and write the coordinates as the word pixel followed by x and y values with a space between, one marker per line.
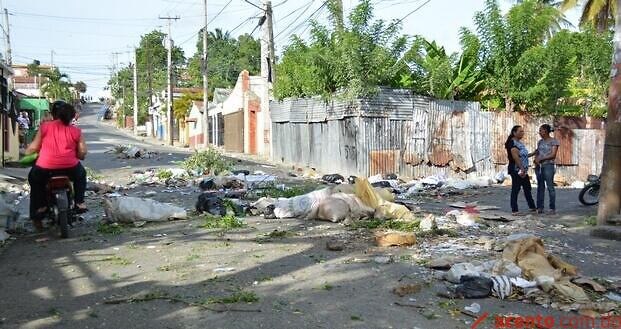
pixel 395 239
pixel 407 289
pixel 589 282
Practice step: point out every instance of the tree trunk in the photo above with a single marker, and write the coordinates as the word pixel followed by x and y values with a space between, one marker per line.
pixel 610 193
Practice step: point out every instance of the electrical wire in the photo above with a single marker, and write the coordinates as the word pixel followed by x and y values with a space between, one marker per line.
pixel 295 20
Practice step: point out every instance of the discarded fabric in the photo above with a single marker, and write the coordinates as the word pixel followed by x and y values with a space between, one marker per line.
pixel 130 209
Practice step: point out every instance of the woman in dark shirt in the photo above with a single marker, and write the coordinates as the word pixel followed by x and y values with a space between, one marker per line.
pixel 517 155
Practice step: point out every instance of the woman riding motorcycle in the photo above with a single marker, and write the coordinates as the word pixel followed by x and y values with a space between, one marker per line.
pixel 61 146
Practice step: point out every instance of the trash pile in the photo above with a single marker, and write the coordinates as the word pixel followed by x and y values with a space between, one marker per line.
pixel 172 177
pixel 528 273
pixel 131 152
pixel 340 203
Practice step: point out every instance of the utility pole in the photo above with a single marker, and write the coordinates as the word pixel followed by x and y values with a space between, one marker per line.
pixel 52 58
pixel 268 60
pixel 169 89
pixel 205 83
pixel 135 92
pixel 7 37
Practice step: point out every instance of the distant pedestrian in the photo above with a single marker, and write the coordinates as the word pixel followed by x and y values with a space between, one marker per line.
pixel 545 156
pixel 517 155
pixel 24 125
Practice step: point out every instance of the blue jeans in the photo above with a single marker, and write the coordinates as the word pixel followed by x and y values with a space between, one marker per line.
pixel 545 177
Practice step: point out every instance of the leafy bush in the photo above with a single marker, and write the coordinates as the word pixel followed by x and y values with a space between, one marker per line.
pixel 204 162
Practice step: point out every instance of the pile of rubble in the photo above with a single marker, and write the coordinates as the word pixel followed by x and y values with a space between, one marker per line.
pixel 131 152
pixel 527 272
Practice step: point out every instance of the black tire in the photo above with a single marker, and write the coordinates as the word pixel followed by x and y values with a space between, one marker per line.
pixel 589 190
pixel 62 203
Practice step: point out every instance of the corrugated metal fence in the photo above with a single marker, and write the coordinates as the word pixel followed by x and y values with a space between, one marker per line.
pixel 415 136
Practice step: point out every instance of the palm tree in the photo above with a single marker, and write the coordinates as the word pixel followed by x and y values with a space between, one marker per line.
pixel 557 19
pixel 596 12
pixel 57 85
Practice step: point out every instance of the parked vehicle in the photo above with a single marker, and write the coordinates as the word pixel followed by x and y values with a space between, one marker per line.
pixel 589 195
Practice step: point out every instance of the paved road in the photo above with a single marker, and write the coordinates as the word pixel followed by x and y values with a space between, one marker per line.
pixel 100 137
pixel 53 283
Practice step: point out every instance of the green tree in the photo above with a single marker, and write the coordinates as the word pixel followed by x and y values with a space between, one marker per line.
pixel 55 84
pixel 227 58
pixel 597 13
pixel 152 70
pixel 182 106
pixel 504 41
pixel 80 86
pixel 367 53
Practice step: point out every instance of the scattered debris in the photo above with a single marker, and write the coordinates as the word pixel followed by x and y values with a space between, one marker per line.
pixel 474 308
pixel 395 239
pixel 407 289
pixel 131 209
pixel 333 179
pixel 335 245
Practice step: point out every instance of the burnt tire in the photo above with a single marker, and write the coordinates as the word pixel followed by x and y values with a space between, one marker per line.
pixel 589 195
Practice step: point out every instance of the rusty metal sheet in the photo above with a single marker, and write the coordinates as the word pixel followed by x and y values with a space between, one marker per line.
pixel 415 138
pixel 460 142
pixel 565 137
pixel 383 162
pixel 440 153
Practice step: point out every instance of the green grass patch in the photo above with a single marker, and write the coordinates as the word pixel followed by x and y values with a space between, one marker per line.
pixel 205 162
pixel 356 318
pixel 289 192
pixel 165 268
pixel 396 225
pixel 590 221
pixel 109 228
pixel 192 258
pixel 116 260
pixel 164 174
pixel 225 222
pixel 91 175
pixel 327 287
pixel 248 297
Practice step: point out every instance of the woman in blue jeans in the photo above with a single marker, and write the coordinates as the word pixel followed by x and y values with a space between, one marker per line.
pixel 518 169
pixel 544 167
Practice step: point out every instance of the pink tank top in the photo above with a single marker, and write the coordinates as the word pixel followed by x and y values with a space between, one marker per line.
pixel 59 145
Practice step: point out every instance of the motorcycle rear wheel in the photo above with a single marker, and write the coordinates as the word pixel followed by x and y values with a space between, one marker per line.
pixel 62 204
pixel 589 195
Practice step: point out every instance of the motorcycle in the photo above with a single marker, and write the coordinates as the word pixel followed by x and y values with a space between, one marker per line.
pixel 589 195
pixel 60 204
pixel 61 209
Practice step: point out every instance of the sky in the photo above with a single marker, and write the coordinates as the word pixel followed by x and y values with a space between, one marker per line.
pixel 82 35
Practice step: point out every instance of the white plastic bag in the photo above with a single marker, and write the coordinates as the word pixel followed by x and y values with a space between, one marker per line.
pixel 302 206
pixel 130 209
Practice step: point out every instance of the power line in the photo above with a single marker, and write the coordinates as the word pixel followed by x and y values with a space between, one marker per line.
pixel 254 5
pixel 293 22
pixel 299 26
pixel 101 19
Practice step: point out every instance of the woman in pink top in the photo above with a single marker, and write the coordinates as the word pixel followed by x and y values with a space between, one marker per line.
pixel 61 147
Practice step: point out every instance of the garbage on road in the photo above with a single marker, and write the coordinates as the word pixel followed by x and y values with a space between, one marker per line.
pixel 131 209
pixel 131 152
pixel 389 239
